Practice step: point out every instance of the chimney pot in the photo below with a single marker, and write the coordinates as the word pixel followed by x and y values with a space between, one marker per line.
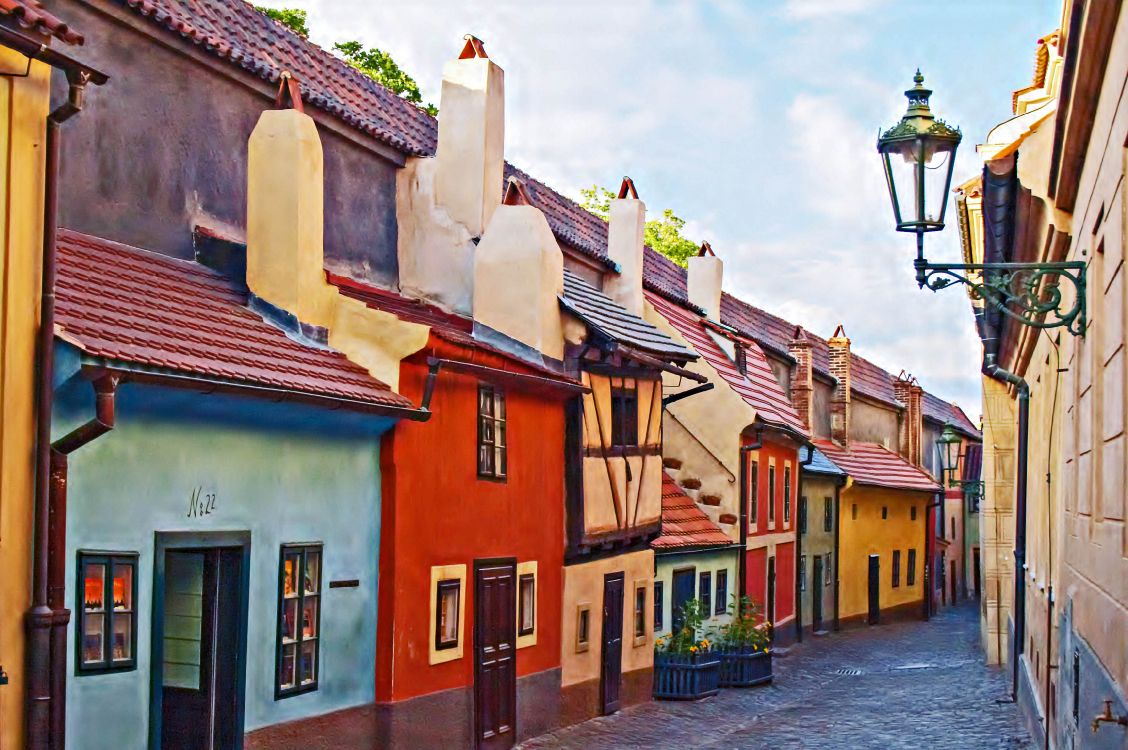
pixel 626 228
pixel 705 274
pixel 840 402
pixel 802 376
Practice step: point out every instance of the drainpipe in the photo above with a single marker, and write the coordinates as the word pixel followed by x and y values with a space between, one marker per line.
pixel 930 551
pixel 40 617
pixel 993 370
pixel 742 567
pixel 799 544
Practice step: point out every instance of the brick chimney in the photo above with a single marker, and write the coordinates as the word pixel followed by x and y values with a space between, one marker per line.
pixel 624 246
pixel 704 281
pixel 840 400
pixel 519 276
pixel 802 376
pixel 471 149
pixel 285 211
pixel 911 433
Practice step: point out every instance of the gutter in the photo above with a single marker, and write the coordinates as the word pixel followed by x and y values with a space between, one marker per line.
pixel 46 627
pixel 799 541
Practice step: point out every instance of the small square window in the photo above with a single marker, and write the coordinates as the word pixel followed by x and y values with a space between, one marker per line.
pixel 527 592
pixel 720 606
pixel 299 620
pixel 705 593
pixel 448 600
pixel 106 627
pixel 912 513
pixel 492 440
pixel 624 417
pixel 884 512
pixel 854 512
pixel 640 614
pixel 910 574
pixel 583 627
pixel 896 568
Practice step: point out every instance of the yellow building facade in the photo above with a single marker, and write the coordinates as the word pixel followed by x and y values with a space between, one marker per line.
pixel 24 103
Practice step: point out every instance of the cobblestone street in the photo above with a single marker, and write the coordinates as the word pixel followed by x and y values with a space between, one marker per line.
pixel 905 685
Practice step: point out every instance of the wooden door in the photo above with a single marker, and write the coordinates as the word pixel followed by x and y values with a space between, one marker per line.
pixel 611 656
pixel 954 581
pixel 771 597
pixel 874 589
pixel 685 582
pixel 201 633
pixel 975 570
pixel 817 594
pixel 495 663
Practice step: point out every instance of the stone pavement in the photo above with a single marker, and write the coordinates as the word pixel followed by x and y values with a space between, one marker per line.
pixel 911 685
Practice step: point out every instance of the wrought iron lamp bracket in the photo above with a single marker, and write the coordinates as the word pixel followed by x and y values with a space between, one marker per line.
pixel 1030 293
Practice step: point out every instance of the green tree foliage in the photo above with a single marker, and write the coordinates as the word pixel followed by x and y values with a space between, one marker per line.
pixel 380 67
pixel 292 17
pixel 663 233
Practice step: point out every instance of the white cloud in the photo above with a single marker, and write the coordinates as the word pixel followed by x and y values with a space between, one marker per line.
pixel 805 10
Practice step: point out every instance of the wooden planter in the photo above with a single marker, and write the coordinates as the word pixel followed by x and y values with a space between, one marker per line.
pixel 686 677
pixel 742 667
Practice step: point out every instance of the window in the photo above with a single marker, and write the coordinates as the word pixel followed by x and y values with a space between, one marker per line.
pixel 640 614
pixel 491 433
pixel 753 490
pixel 583 627
pixel 953 529
pixel 910 574
pixel 828 514
pixel 854 512
pixel 107 621
pixel 771 494
pixel 720 606
pixel 912 513
pixel 884 512
pixel 527 604
pixel 741 359
pixel 447 602
pixel 1076 684
pixel 787 494
pixel 896 568
pixel 802 572
pixel 705 593
pixel 299 619
pixel 658 604
pixel 828 577
pixel 802 515
pixel 624 417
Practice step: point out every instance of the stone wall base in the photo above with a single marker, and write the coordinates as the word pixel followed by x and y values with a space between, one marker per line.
pixel 351 727
pixel 899 613
pixel 581 701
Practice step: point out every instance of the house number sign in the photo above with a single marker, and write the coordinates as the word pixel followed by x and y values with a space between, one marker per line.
pixel 201 503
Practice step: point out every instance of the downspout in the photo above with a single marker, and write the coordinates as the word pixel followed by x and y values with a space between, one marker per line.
pixel 44 727
pixel 799 545
pixel 742 566
pixel 930 552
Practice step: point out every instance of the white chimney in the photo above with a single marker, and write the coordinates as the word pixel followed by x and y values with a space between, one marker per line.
pixel 285 211
pixel 471 153
pixel 624 246
pixel 519 275
pixel 704 283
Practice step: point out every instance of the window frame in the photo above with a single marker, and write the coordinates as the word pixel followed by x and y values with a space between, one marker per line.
pixel 787 494
pixel 500 426
pixel 108 559
pixel 884 512
pixel 442 586
pixel 803 515
pixel 910 568
pixel 638 611
pixel 771 493
pixel 659 593
pixel 583 617
pixel 720 603
pixel 912 513
pixel 522 601
pixel 303 549
pixel 753 490
pixel 828 514
pixel 896 569
pixel 705 592
pixel 802 572
pixel 624 417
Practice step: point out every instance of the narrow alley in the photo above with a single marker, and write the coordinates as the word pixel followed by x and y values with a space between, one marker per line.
pixel 902 685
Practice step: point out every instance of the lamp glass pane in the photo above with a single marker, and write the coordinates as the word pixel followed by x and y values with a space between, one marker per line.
pixel 902 172
pixel 937 168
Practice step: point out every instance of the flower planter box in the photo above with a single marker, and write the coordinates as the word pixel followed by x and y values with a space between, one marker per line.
pixel 686 677
pixel 744 667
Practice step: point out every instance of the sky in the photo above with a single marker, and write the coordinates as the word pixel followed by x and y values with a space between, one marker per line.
pixel 754 120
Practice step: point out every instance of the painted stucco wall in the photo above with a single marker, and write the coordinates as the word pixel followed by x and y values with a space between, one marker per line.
pixel 170 134
pixel 873 423
pixel 996 516
pixel 818 542
pixel 820 409
pixel 703 561
pixel 697 462
pixel 869 534
pixel 23 107
pixel 286 474
pixel 583 586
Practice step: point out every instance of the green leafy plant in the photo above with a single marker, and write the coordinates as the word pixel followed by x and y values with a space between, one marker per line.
pixel 292 17
pixel 746 628
pixel 685 639
pixel 380 67
pixel 663 233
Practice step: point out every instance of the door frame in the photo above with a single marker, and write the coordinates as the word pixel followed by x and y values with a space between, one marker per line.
pixel 479 563
pixel 191 540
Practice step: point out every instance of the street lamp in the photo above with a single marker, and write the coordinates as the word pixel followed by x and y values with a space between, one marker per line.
pixel 919 155
pixel 948 445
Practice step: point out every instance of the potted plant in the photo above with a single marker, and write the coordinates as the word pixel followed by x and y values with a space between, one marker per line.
pixel 744 646
pixel 685 666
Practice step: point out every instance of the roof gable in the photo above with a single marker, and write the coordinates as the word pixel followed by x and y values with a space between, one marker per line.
pixel 876 466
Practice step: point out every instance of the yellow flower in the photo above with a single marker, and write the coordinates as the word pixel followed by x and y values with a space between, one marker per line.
pixel 693 649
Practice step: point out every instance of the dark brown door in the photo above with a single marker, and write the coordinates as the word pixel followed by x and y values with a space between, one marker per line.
pixel 874 589
pixel 611 672
pixel 817 594
pixel 200 632
pixel 954 579
pixel 495 664
pixel 771 590
pixel 975 570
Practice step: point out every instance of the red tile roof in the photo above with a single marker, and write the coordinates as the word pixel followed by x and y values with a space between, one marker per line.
pixel 873 465
pixel 939 410
pixel 31 15
pixel 757 386
pixel 683 523
pixel 130 306
pixel 237 33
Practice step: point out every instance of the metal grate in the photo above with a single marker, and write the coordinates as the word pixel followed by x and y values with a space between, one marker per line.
pixel 848 671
